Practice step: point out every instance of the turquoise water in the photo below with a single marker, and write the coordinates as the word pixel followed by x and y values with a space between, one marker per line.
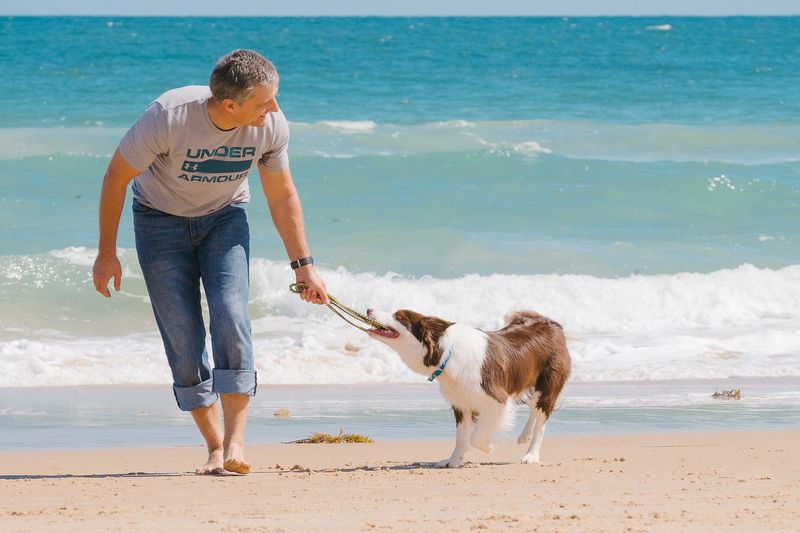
pixel 596 146
pixel 637 179
pixel 80 70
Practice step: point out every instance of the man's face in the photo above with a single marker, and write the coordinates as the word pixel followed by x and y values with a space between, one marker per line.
pixel 253 112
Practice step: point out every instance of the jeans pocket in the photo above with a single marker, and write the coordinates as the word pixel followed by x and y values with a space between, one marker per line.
pixel 141 209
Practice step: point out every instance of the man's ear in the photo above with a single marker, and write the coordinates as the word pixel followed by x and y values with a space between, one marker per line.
pixel 229 105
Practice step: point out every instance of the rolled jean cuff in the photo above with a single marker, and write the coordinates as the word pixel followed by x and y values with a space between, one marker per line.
pixel 196 396
pixel 235 381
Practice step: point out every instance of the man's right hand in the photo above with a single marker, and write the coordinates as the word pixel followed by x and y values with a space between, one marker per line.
pixel 112 197
pixel 106 266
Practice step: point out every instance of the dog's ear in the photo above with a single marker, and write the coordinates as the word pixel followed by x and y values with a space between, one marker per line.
pixel 433 354
pixel 427 330
pixel 420 327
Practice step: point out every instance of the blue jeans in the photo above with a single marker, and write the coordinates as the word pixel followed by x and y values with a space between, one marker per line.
pixel 175 254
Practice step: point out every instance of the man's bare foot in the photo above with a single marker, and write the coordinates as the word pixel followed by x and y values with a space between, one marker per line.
pixel 234 459
pixel 214 465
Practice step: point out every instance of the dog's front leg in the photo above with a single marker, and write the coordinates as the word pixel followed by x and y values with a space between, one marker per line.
pixel 491 419
pixel 463 429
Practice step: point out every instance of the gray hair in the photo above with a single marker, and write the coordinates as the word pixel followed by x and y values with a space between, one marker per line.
pixel 238 73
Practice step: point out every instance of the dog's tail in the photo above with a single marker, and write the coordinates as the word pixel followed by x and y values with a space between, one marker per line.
pixel 528 318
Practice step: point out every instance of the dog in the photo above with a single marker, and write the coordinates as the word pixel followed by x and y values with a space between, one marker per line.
pixel 483 374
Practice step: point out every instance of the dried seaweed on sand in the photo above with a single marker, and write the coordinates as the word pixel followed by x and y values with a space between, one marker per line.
pixel 326 438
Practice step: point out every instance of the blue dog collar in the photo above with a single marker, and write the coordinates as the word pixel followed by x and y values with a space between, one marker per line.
pixel 438 371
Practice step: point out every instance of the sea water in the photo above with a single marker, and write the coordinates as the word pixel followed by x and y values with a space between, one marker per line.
pixel 635 179
pixel 88 416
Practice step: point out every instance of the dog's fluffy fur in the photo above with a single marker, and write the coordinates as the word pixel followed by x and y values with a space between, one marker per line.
pixel 526 362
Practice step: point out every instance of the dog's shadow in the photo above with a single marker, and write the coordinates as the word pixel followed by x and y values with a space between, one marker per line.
pixel 400 467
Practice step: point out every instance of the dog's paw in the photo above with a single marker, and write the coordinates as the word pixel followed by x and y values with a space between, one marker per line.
pixel 449 463
pixel 530 459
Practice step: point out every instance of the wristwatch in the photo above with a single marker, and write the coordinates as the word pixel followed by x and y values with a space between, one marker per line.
pixel 303 261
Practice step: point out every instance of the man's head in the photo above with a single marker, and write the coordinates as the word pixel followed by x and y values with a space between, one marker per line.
pixel 245 84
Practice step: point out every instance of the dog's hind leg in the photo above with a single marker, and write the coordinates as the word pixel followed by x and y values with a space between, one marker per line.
pixel 463 428
pixel 548 387
pixel 532 457
pixel 527 431
pixel 492 418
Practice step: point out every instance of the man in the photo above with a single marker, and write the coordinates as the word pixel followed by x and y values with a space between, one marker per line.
pixel 189 156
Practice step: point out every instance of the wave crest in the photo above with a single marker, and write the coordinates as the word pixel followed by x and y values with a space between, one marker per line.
pixel 736 322
pixel 741 144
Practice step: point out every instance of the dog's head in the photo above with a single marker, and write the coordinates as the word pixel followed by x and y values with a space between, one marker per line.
pixel 415 337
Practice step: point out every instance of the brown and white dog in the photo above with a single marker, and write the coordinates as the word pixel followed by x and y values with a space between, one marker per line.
pixel 484 373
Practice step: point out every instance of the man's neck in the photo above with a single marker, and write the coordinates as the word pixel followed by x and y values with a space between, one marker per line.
pixel 219 117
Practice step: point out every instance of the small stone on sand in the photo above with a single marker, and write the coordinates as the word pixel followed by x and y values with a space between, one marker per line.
pixel 352 348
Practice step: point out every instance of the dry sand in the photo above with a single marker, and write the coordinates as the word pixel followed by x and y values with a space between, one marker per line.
pixel 742 481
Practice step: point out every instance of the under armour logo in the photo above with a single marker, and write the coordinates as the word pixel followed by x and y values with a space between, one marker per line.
pixel 188 165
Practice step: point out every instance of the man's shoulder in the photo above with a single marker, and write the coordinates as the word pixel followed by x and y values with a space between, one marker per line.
pixel 182 96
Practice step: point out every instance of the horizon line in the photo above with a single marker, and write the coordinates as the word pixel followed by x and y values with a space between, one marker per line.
pixel 671 15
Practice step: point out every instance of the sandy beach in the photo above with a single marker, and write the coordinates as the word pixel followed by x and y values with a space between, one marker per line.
pixel 743 481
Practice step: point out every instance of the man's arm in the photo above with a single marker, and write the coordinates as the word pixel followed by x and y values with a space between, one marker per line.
pixel 112 198
pixel 287 215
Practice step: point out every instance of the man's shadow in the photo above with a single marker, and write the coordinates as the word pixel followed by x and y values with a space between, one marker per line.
pixel 16 477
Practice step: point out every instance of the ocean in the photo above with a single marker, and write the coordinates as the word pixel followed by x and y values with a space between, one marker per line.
pixel 635 179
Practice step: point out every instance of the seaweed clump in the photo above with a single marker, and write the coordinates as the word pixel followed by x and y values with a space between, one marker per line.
pixel 733 394
pixel 327 438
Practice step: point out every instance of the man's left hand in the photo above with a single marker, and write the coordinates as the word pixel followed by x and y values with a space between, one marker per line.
pixel 315 292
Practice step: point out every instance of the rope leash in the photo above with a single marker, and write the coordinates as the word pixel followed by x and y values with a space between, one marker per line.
pixel 336 307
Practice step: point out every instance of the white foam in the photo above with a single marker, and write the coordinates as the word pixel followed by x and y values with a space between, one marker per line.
pixel 350 126
pixel 133 359
pixel 76 255
pixel 327 155
pixel 531 148
pixel 736 322
pixel 721 181
pixel 454 124
pixel 659 27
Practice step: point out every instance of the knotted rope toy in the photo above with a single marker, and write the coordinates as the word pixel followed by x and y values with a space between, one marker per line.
pixel 340 308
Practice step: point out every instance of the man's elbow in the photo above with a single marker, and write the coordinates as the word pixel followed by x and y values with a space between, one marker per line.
pixel 278 194
pixel 116 180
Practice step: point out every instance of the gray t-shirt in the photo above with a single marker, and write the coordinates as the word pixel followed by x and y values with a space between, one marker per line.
pixel 189 166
